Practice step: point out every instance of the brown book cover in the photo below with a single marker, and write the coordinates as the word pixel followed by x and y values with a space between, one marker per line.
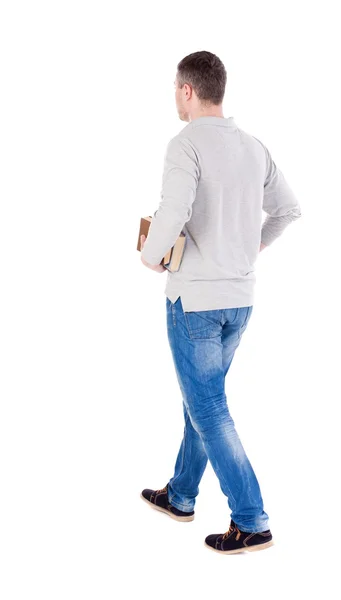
pixel 173 257
pixel 144 228
pixel 177 253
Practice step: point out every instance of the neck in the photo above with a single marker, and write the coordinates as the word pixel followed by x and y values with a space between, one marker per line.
pixel 214 111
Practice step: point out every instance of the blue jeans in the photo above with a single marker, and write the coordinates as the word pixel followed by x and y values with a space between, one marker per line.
pixel 203 344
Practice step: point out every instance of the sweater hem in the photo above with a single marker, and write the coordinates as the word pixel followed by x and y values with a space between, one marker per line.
pixel 196 300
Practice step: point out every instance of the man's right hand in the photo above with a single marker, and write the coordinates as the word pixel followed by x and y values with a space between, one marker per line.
pixel 262 246
pixel 158 268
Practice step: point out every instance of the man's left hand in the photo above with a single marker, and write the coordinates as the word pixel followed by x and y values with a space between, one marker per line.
pixel 158 268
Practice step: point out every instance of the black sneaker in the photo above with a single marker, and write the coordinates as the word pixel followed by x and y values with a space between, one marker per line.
pixel 158 499
pixel 235 540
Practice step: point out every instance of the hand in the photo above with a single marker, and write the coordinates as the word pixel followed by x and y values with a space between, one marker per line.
pixel 262 246
pixel 158 268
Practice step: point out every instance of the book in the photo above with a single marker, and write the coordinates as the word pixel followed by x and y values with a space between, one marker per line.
pixel 172 259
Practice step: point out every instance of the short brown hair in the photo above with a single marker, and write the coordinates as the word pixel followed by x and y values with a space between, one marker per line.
pixel 206 73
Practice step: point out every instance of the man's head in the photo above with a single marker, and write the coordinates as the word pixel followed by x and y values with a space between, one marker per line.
pixel 199 86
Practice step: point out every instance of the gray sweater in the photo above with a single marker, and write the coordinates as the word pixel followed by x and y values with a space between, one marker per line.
pixel 217 179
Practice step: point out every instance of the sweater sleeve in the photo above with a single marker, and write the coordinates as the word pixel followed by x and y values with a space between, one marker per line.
pixel 279 202
pixel 179 184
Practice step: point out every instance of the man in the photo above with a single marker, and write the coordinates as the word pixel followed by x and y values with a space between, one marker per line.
pixel 217 179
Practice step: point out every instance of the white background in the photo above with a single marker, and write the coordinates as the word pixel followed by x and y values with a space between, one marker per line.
pixel 90 406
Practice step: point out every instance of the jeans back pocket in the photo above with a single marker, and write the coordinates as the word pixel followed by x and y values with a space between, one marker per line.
pixel 203 323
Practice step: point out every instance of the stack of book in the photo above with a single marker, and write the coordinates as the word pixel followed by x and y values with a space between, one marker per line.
pixel 172 259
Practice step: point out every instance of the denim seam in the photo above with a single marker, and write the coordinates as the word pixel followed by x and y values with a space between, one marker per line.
pixel 243 327
pixel 183 454
pixel 173 314
pixel 187 326
pixel 187 413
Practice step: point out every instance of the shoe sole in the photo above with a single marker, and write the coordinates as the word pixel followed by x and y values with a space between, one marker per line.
pixel 243 549
pixel 167 512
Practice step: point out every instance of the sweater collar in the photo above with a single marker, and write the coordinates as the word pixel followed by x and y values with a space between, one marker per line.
pixel 212 120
